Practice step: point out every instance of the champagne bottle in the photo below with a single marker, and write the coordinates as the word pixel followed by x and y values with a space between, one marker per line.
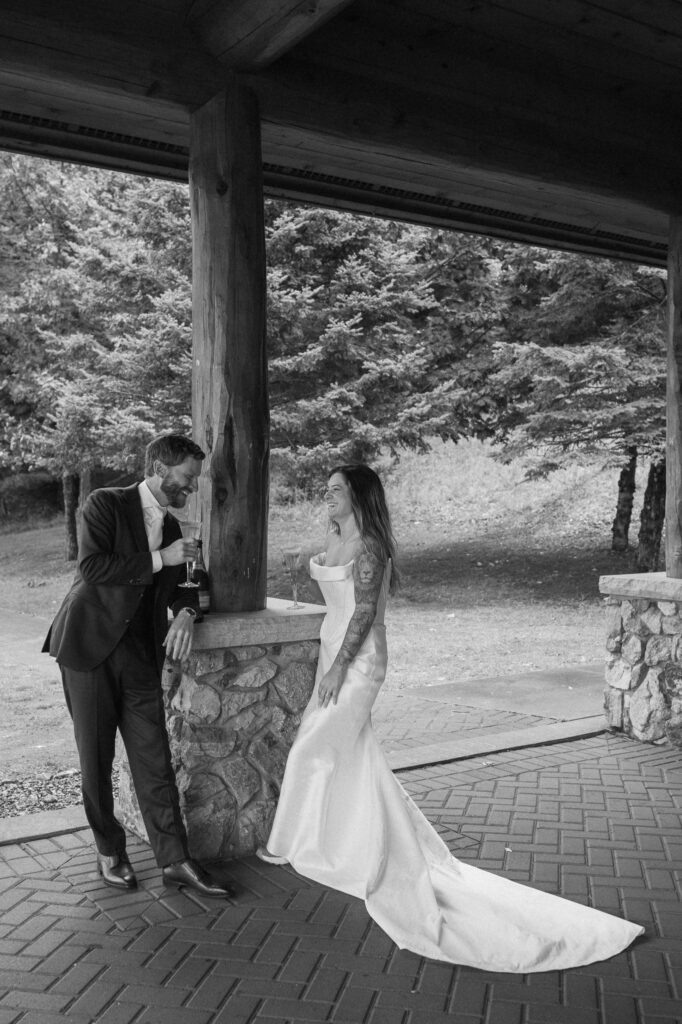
pixel 200 577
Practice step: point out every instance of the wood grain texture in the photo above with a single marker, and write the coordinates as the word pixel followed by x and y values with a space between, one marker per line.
pixel 652 586
pixel 567 148
pixel 273 624
pixel 253 33
pixel 673 498
pixel 460 38
pixel 567 111
pixel 105 55
pixel 229 380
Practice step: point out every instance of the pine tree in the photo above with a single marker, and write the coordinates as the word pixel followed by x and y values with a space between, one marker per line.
pixel 580 367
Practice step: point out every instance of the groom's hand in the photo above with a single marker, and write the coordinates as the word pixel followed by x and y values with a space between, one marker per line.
pixel 179 551
pixel 178 642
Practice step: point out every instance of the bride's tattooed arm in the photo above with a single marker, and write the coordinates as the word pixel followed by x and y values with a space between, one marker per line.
pixel 368 575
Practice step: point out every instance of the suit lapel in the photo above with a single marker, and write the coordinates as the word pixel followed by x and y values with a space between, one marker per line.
pixel 136 518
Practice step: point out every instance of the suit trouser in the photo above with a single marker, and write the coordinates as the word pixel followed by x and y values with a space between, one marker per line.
pixel 124 693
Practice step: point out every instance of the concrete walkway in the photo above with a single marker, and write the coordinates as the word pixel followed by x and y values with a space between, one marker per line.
pixel 427 725
pixel 595 818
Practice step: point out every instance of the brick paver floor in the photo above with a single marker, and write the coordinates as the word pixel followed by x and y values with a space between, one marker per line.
pixel 596 820
pixel 402 721
pixel 428 724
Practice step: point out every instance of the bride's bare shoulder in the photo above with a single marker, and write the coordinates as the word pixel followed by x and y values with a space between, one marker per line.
pixel 338 553
pixel 332 549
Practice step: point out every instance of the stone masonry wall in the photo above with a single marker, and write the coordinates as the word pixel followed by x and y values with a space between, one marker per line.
pixel 232 714
pixel 644 668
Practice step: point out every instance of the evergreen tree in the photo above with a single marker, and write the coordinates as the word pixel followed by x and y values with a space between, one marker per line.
pixel 95 325
pixel 381 335
pixel 580 366
pixel 368 322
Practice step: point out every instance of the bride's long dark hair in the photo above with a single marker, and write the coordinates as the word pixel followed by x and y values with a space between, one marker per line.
pixel 370 509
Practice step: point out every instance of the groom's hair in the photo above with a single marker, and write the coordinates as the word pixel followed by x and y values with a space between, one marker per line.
pixel 171 449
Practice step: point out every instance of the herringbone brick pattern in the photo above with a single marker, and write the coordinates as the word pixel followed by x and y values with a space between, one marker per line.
pixel 403 722
pixel 596 820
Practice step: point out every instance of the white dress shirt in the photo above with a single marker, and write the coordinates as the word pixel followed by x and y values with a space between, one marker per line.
pixel 154 515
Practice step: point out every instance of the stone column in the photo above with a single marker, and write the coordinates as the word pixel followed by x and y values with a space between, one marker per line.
pixel 232 711
pixel 643 695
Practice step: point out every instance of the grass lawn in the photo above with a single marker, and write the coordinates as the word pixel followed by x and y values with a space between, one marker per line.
pixel 499 577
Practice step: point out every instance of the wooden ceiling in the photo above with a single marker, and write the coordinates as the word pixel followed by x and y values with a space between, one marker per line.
pixel 550 121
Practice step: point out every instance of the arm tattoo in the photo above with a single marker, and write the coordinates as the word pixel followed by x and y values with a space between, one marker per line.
pixel 368 576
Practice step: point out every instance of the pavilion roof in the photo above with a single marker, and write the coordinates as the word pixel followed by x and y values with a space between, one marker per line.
pixel 549 121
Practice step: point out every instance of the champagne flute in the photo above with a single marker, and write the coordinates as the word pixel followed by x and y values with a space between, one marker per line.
pixel 291 560
pixel 191 530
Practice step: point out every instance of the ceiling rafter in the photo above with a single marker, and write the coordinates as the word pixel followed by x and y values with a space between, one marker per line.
pixel 524 116
pixel 253 33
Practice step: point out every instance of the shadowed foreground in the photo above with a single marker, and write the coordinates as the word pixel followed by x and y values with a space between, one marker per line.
pixel 596 820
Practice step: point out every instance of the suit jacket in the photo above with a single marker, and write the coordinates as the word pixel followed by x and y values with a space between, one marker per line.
pixel 114 568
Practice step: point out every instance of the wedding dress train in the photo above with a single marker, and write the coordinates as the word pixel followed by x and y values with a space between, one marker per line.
pixel 345 821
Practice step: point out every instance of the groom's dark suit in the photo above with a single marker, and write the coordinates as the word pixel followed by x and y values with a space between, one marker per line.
pixel 107 638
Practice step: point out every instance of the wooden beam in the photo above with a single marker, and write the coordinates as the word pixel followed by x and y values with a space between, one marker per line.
pixel 469 55
pixel 565 147
pixel 398 190
pixel 415 111
pixel 114 56
pixel 418 208
pixel 412 101
pixel 229 378
pixel 253 33
pixel 337 162
pixel 673 456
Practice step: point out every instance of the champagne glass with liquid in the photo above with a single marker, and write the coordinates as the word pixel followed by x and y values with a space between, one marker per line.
pixel 291 560
pixel 191 530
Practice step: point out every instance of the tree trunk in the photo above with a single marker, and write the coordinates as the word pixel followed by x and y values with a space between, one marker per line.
pixel 70 488
pixel 652 518
pixel 626 493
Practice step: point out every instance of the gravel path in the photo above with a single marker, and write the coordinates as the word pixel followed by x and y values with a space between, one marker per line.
pixel 42 792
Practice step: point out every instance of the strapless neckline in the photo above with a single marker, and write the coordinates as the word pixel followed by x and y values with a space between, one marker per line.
pixel 321 571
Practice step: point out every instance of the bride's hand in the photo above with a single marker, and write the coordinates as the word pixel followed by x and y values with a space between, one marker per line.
pixel 329 687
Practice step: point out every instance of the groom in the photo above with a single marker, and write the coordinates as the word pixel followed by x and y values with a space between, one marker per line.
pixel 109 637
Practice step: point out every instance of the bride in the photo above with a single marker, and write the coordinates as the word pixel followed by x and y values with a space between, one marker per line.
pixel 345 821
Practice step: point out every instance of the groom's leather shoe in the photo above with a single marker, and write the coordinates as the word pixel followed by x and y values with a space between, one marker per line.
pixel 116 870
pixel 188 874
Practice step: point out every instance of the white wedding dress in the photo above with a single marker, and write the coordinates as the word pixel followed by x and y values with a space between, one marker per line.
pixel 345 821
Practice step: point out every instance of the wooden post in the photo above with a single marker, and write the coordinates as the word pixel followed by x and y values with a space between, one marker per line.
pixel 229 378
pixel 673 501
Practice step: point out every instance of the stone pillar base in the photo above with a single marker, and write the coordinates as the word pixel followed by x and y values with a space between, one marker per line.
pixel 232 711
pixel 643 695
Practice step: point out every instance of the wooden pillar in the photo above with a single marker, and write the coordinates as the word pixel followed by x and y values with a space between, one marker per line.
pixel 229 377
pixel 673 501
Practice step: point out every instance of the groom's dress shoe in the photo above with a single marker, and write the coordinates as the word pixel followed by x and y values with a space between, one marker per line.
pixel 190 875
pixel 116 870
